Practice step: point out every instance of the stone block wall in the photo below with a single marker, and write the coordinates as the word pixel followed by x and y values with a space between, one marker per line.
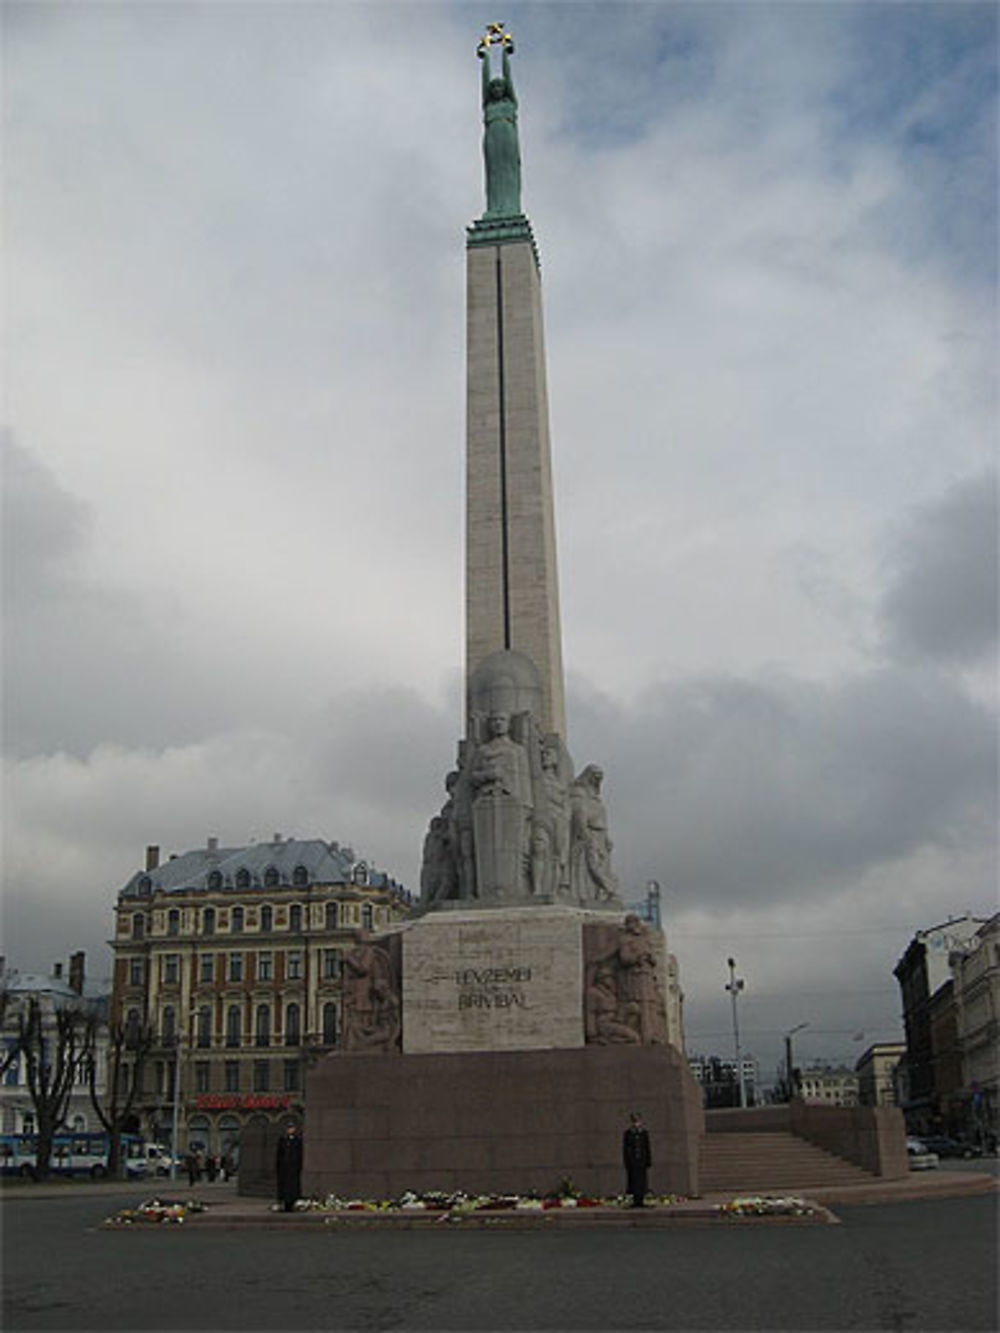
pixel 497 1121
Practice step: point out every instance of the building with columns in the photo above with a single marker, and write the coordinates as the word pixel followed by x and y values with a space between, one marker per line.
pixel 232 958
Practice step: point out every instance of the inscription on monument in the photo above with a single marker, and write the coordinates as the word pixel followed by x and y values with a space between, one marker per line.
pixel 493 987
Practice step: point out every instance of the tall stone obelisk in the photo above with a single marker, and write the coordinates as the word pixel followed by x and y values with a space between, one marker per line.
pixel 511 592
pixel 496 1041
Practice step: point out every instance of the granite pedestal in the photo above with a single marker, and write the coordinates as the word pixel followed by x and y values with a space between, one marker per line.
pixel 497 1121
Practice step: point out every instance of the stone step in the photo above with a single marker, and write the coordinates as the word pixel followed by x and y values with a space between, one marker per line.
pixel 762 1162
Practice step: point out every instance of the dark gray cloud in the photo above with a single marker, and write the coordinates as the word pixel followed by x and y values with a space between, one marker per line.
pixel 759 791
pixel 941 603
pixel 234 252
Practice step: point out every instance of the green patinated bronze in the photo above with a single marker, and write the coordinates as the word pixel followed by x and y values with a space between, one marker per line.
pixel 501 150
pixel 503 219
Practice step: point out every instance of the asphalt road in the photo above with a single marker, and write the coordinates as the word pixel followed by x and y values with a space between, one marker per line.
pixel 928 1264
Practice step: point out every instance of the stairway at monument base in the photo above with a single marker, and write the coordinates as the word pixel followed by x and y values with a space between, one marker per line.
pixel 770 1162
pixel 497 1121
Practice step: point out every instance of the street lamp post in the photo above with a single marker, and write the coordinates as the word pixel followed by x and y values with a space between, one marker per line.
pixel 175 1132
pixel 789 1078
pixel 734 987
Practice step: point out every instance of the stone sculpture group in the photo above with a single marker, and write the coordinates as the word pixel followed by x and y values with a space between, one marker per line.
pixel 517 826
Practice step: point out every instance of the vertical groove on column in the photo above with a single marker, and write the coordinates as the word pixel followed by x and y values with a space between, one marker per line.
pixel 502 392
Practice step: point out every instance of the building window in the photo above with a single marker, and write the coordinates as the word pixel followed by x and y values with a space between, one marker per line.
pixel 232 1075
pixel 271 877
pixel 261 1076
pixel 145 885
pixel 291 1075
pixel 265 966
pixel 262 1031
pixel 234 1025
pixel 236 924
pixel 300 877
pixel 204 1037
pixel 207 972
pixel 331 964
pixel 295 917
pixel 332 916
pixel 243 879
pixel 171 969
pixel 215 881
pixel 13 1072
pixel 138 926
pixel 201 1068
pixel 169 1025
pixel 174 921
pixel 293 1025
pixel 235 967
pixel 360 874
pixel 208 921
pixel 329 1025
pixel 366 917
pixel 132 1029
pixel 136 971
pixel 267 918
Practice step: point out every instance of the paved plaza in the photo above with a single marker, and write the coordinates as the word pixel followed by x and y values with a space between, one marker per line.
pixel 922 1263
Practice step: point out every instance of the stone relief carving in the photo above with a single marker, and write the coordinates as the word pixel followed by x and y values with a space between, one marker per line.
pixel 624 998
pixel 516 825
pixel 371 1004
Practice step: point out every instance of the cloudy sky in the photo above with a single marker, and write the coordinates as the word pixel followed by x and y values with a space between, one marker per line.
pixel 233 454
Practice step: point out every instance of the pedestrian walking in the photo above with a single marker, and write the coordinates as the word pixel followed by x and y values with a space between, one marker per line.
pixel 288 1167
pixel 637 1157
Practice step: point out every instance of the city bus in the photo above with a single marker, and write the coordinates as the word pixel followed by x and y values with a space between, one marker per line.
pixel 73 1154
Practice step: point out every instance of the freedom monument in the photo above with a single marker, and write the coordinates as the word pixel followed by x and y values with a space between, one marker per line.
pixel 498 1041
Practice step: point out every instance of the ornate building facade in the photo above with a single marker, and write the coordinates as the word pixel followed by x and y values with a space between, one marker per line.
pixel 233 957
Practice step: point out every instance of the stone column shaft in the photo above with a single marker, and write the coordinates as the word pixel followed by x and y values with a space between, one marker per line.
pixel 511 593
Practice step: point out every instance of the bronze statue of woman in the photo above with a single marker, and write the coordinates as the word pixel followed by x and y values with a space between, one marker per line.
pixel 501 150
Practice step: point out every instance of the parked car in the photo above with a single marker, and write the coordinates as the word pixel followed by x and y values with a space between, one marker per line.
pixel 948 1147
pixel 921 1158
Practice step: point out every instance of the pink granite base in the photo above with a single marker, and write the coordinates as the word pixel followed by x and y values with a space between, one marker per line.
pixel 491 1122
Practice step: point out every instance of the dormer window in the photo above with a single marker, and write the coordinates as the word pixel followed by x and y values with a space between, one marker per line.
pixel 243 879
pixel 300 877
pixel 215 881
pixel 145 884
pixel 271 877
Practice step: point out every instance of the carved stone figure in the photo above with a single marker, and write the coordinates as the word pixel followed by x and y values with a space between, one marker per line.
pixel 435 864
pixel 624 992
pixel 371 1000
pixel 590 853
pixel 516 825
pixel 606 1022
pixel 550 825
pixel 638 982
pixel 500 783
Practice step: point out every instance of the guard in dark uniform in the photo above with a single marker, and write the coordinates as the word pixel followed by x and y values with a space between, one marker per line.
pixel 637 1158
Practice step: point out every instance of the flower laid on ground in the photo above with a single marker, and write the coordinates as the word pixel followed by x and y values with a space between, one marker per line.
pixel 757 1205
pixel 457 1204
pixel 156 1211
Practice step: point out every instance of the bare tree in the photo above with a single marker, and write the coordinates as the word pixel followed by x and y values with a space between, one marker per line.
pixel 129 1044
pixel 54 1049
pixel 10 1052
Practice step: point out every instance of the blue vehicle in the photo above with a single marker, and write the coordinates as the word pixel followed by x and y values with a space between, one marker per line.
pixel 76 1154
